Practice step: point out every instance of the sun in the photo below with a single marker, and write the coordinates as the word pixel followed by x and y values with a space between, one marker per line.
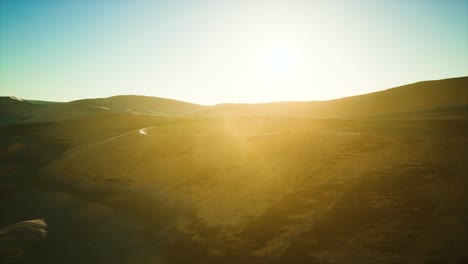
pixel 279 61
pixel 267 55
pixel 276 74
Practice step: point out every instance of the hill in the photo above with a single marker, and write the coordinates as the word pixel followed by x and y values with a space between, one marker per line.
pixel 14 110
pixel 421 96
pixel 418 97
pixel 141 105
pixel 189 185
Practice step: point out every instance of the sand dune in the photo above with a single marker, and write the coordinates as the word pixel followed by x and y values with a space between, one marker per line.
pixel 429 95
pixel 422 96
pixel 28 111
pixel 236 187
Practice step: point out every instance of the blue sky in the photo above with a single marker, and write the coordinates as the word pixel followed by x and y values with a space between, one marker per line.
pixel 227 51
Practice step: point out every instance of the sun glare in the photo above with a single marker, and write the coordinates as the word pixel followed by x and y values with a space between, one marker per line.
pixel 279 61
pixel 270 56
pixel 284 54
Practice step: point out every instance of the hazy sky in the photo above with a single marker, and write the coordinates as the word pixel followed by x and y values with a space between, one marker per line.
pixel 227 51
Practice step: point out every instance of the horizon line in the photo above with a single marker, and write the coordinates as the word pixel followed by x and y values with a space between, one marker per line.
pixel 14 97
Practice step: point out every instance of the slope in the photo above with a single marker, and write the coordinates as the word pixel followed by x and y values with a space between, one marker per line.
pixel 14 110
pixel 421 96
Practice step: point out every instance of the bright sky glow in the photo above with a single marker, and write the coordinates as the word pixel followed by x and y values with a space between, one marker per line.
pixel 227 51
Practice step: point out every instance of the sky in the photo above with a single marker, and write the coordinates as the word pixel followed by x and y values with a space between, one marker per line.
pixel 212 52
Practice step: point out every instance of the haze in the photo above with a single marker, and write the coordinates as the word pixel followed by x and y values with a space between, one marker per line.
pixel 227 51
pixel 347 141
